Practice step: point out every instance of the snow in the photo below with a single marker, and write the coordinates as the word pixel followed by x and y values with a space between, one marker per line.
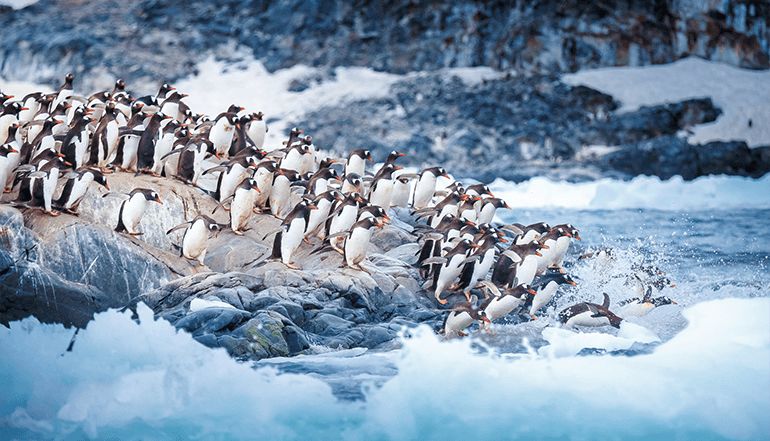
pixel 706 192
pixel 128 379
pixel 198 304
pixel 742 94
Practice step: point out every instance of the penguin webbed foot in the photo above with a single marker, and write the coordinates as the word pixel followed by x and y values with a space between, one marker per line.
pixel 53 213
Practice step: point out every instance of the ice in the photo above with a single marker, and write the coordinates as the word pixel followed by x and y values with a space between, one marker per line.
pixel 564 342
pixel 742 94
pixel 705 192
pixel 198 304
pixel 128 379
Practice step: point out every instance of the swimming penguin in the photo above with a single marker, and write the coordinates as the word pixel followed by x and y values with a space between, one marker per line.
pixel 425 188
pixel 196 237
pixel 590 314
pixel 257 129
pixel 356 162
pixel 488 208
pixel 461 317
pixel 451 267
pixel 231 174
pixel 498 306
pixel 357 241
pixel 546 289
pixel 76 188
pixel 242 205
pixel 132 209
pixel 293 229
pixel 639 306
pixel 382 186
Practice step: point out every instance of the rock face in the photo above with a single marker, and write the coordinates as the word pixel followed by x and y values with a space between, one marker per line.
pixel 66 268
pixel 101 38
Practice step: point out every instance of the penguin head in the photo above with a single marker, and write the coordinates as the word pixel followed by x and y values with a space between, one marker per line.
pixel 149 195
pixel 392 156
pixel 523 290
pixel 68 79
pixel 4 97
pixel 99 177
pixel 252 184
pixel 13 108
pixel 5 149
pixel 257 116
pixel 120 85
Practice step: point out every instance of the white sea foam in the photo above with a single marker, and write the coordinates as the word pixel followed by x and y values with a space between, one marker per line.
pixel 742 94
pixel 707 192
pixel 137 380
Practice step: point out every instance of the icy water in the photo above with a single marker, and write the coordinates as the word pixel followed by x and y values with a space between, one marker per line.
pixel 693 371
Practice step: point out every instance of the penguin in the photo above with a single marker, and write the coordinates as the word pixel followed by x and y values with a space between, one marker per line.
pixel 452 264
pixel 42 184
pixel 8 117
pixel 324 202
pixel 352 183
pixel 293 158
pixel 164 145
pixel 639 306
pixel 357 241
pixel 75 143
pixel 196 237
pixel 31 103
pixel 145 153
pixel 517 265
pixel 65 90
pixel 105 139
pixel 280 192
pixel 356 162
pixel 132 209
pixel 240 139
pixel 461 317
pixel 549 246
pixel 319 182
pixel 242 205
pixel 293 229
pixel 488 209
pixel 231 174
pixel 402 189
pixel 344 215
pixel 44 140
pixel 257 129
pixel 425 188
pixel 498 306
pixel 382 186
pixel 190 163
pixel 119 88
pixel 76 188
pixel 221 133
pixel 546 290
pixel 562 245
pixel 370 211
pixel 171 105
pixel 128 146
pixel 590 314
pixel 7 164
pixel 475 271
pixel 527 233
pixel 264 177
pixel 467 210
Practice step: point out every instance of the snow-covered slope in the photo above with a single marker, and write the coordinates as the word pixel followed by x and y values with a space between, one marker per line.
pixel 742 94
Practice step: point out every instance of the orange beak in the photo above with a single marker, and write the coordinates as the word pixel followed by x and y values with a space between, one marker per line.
pixel 572 282
pixel 538 253
pixel 532 291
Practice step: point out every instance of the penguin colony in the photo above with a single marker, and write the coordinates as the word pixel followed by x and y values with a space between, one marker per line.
pixel 61 136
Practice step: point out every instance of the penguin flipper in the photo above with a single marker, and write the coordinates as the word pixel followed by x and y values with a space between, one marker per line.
pixel 606 302
pixel 178 227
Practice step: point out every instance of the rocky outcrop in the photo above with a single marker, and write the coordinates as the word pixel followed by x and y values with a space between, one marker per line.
pixel 66 268
pixel 150 39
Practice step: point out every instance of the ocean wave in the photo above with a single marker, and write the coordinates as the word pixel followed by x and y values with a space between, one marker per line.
pixel 142 379
pixel 707 192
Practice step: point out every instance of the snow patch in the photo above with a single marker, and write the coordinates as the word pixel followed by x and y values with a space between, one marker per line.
pixel 742 94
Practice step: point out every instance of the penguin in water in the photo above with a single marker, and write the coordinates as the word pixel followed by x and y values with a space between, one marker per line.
pixel 133 208
pixel 196 237
pixel 590 314
pixel 293 229
pixel 357 241
pixel 639 306
pixel 461 317
pixel 76 188
pixel 501 303
pixel 546 290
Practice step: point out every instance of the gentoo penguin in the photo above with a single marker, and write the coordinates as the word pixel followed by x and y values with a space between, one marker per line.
pixel 165 144
pixel 372 211
pixel 344 215
pixel 546 289
pixel 425 187
pixel 476 270
pixel 293 229
pixel 7 164
pixel 461 317
pixel 119 88
pixel 171 105
pixel 104 141
pixel 264 177
pixel 65 90
pixel 257 129
pixel 451 266
pixel 357 241
pixel 639 306
pixel 488 208
pixel 402 189
pixel 145 154
pixel 75 143
pixel 352 183
pixel 42 184
pixel 280 192
pixel 562 245
pixel 32 104
pixel 497 306
pixel 8 117
pixel 196 237
pixel 527 233
pixel 128 146
pixel 231 174
pixel 319 182
pixel 324 202
pixel 479 190
pixel 132 209
pixel 190 163
pixel 549 246
pixel 590 314
pixel 242 205
pixel 76 187
pixel 221 133
pixel 293 158
pixel 517 265
pixel 356 162
pixel 390 159
pixel 382 186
